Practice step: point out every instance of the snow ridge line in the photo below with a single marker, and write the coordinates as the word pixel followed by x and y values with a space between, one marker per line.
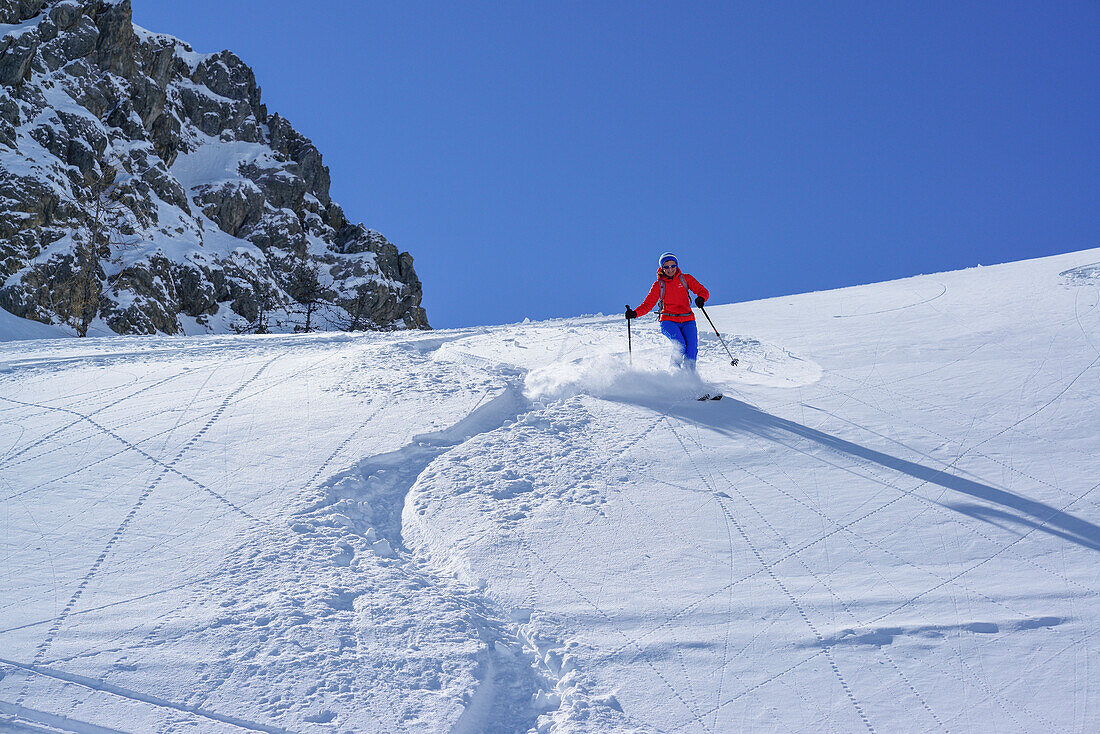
pixel 388 477
pixel 60 620
pixel 553 660
pixel 317 474
pixel 105 687
pixel 554 667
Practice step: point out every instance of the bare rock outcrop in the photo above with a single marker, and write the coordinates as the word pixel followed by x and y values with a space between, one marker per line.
pixel 147 189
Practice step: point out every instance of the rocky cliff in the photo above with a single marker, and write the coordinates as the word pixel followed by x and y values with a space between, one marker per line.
pixel 146 189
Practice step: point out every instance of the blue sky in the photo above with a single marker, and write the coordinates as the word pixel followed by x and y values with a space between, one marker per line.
pixel 536 157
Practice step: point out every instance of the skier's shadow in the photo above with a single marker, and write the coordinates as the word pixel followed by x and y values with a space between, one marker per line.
pixel 733 417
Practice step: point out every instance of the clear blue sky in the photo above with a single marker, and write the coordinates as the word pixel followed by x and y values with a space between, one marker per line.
pixel 536 157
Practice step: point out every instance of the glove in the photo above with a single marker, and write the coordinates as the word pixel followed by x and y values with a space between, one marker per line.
pixel 631 313
pixel 699 301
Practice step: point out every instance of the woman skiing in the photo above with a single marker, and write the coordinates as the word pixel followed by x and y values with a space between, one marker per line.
pixel 670 294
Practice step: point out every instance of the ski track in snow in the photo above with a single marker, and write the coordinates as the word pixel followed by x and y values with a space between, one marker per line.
pixel 59 621
pixel 889 525
pixel 817 578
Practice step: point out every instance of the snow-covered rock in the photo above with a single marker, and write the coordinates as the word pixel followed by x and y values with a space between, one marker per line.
pixel 146 189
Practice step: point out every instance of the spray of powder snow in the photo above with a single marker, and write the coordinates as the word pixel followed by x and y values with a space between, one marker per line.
pixel 607 377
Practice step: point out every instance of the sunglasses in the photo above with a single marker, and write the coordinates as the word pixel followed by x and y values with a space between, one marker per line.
pixel 668 266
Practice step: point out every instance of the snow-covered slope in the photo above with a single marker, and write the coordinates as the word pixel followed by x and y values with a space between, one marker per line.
pixel 891 522
pixel 12 327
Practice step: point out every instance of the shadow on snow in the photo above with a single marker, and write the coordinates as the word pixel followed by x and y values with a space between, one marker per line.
pixel 734 417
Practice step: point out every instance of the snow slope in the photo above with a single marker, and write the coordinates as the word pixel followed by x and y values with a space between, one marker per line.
pixel 891 523
pixel 12 328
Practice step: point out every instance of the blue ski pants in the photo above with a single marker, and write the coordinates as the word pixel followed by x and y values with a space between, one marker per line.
pixel 685 341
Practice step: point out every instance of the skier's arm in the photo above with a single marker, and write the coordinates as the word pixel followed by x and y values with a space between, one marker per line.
pixel 650 300
pixel 697 287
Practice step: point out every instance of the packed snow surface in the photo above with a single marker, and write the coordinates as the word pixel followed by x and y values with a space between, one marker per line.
pixel 890 523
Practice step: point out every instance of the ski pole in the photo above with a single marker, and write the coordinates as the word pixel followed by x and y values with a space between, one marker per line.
pixel 733 359
pixel 629 346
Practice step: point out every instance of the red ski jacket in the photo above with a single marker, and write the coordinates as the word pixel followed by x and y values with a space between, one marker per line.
pixel 677 304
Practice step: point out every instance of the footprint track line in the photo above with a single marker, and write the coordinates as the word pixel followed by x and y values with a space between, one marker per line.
pixel 862 538
pixel 952 517
pixel 805 618
pixel 779 583
pixel 63 446
pixel 620 457
pixel 117 427
pixel 6 461
pixel 944 512
pixel 59 621
pixel 309 483
pixel 979 564
pixel 753 689
pixel 630 642
pixel 754 574
pixel 824 583
pixel 870 468
pixel 170 466
pixel 946 439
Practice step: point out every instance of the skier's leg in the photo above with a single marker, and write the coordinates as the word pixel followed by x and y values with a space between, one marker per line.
pixel 671 329
pixel 691 343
